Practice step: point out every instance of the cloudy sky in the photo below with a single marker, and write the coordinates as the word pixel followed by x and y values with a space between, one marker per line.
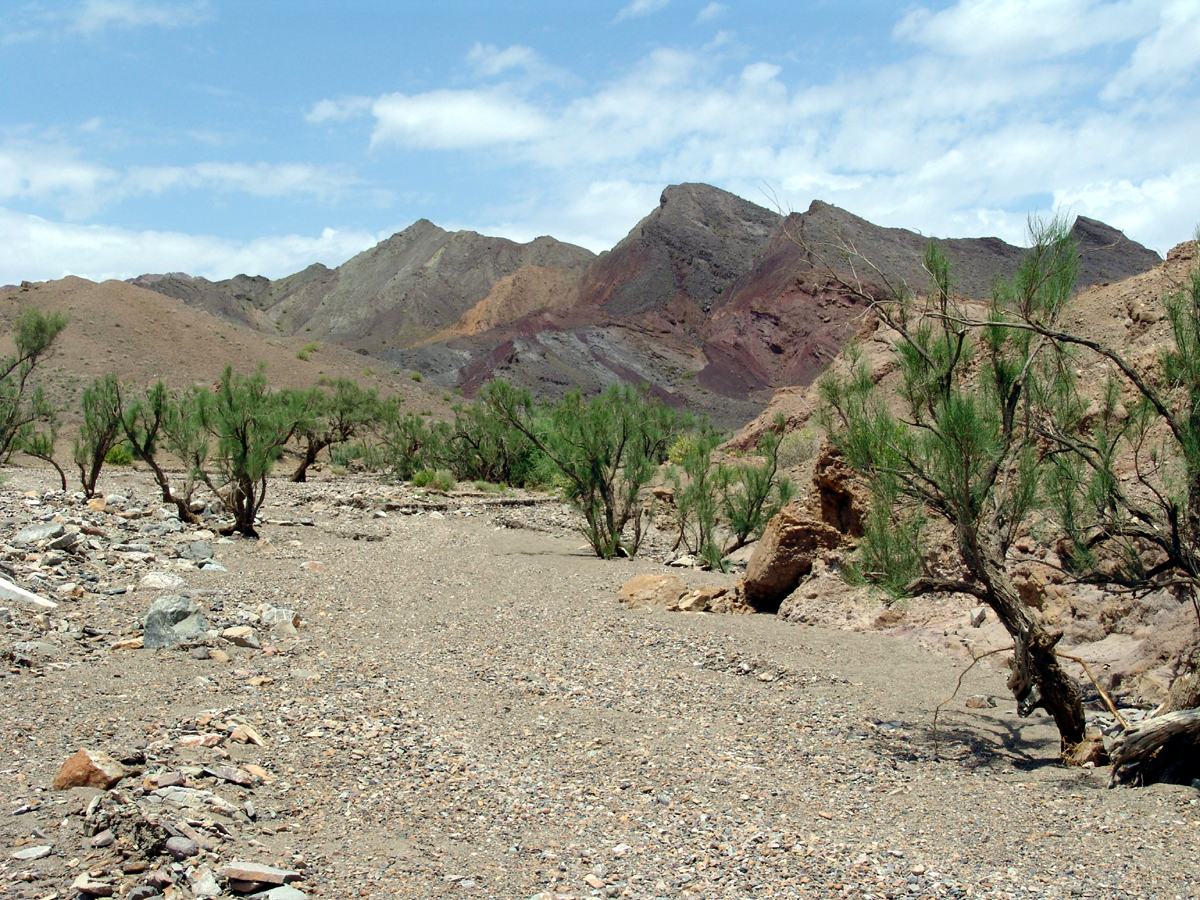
pixel 217 137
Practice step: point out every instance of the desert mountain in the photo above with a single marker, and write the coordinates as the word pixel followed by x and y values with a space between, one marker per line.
pixel 711 300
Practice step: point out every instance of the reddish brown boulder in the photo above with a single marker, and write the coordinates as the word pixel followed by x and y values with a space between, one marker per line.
pixel 89 768
pixel 784 555
pixel 653 590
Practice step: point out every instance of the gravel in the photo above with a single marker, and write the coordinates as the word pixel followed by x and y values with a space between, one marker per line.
pixel 466 711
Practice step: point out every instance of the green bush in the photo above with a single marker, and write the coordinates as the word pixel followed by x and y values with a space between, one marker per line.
pixel 308 349
pixel 415 376
pixel 119 455
pixel 440 480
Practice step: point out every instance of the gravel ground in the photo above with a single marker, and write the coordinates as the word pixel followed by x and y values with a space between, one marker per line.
pixel 467 711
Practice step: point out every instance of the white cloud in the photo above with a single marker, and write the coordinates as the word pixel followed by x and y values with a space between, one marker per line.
pixel 338 110
pixel 56 175
pixel 1013 31
pixel 639 8
pixel 96 15
pixel 453 120
pixel 711 12
pixel 1168 57
pixel 39 250
pixel 489 60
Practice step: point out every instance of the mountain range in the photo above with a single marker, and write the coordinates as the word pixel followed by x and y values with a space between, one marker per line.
pixel 711 300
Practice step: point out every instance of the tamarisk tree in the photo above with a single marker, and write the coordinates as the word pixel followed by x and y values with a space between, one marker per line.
pixel 964 446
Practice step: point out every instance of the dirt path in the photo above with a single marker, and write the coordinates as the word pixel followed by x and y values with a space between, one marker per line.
pixel 468 712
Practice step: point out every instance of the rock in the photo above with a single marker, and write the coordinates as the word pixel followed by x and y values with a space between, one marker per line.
pixel 793 540
pixel 652 590
pixel 313 566
pixel 44 531
pixel 244 734
pixel 67 541
pixel 981 701
pixel 97 504
pixel 37 649
pixel 29 854
pixel 284 621
pixel 283 892
pixel 127 644
pixel 84 884
pixel 181 848
pixel 1086 753
pixel 143 892
pixel 231 774
pixel 6 616
pixel 161 581
pixel 200 653
pixel 218 655
pixel 683 562
pixel 202 882
pixel 256 872
pixel 979 617
pixel 172 620
pixel 104 839
pixel 197 550
pixel 242 636
pixel 89 768
pixel 9 591
pixel 700 599
pixel 741 556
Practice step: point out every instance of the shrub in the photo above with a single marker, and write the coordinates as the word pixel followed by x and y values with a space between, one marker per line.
pixel 119 455
pixel 415 376
pixel 307 350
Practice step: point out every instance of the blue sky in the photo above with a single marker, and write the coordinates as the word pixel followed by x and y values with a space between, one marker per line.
pixel 217 137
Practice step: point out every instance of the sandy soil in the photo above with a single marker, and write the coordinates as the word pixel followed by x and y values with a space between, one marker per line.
pixel 467 711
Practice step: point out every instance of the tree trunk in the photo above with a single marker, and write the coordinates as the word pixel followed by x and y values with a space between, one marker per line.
pixel 1037 679
pixel 310 457
pixel 1164 748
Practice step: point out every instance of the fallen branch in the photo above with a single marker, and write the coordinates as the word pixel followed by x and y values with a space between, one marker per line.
pixel 1157 749
pixel 1104 696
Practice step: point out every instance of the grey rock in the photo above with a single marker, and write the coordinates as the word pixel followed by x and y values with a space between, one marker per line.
pixel 181 848
pixel 28 854
pixel 202 882
pixel 44 531
pixel 283 892
pixel 210 566
pixel 143 892
pixel 68 541
pixel 197 550
pixel 200 653
pixel 6 615
pixel 172 620
pixel 37 648
pixel 104 839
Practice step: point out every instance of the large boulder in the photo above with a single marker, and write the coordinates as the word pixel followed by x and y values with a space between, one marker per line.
pixel 172 620
pixel 653 590
pixel 793 541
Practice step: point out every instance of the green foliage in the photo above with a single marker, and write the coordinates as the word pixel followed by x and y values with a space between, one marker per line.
pixel 24 408
pixel 439 480
pixel 797 447
pixel 119 455
pixel 332 417
pixel 482 446
pixel 416 376
pixel 607 449
pixel 696 495
pixel 250 425
pixel 752 495
pixel 161 419
pixel 100 431
pixel 406 444
pixel 307 350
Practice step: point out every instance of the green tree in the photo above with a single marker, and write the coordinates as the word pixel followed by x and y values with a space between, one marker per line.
pixel 406 444
pixel 966 447
pixel 752 495
pixel 161 419
pixel 334 419
pixel 607 449
pixel 250 425
pixel 22 407
pixel 100 431
pixel 482 446
pixel 697 501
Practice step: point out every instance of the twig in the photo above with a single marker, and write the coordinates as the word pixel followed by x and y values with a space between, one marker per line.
pixel 1107 701
pixel 957 688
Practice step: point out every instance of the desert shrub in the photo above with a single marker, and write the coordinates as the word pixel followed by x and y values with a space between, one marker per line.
pixel 307 350
pixel 751 495
pixel 697 499
pixel 797 447
pixel 100 431
pixel 23 408
pixel 406 444
pixel 119 455
pixel 416 376
pixel 337 412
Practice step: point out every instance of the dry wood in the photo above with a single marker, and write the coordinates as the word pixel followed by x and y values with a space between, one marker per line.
pixel 1157 744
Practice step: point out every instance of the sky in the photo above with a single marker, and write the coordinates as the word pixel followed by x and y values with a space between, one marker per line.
pixel 216 137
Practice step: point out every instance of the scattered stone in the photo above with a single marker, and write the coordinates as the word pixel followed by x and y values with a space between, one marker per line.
pixel 104 839
pixel 29 854
pixel 172 620
pixel 161 581
pixel 197 551
pixel 313 566
pixel 242 636
pixel 202 882
pixel 218 655
pixel 231 774
pixel 34 534
pixel 257 873
pixel 135 643
pixel 143 892
pixel 89 768
pixel 181 848
pixel 981 701
pixel 200 653
pixel 85 884
pixel 244 734
pixel 284 621
pixel 283 892
pixel 10 591
pixel 979 617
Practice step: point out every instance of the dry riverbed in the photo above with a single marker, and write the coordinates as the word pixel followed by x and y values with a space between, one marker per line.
pixel 465 711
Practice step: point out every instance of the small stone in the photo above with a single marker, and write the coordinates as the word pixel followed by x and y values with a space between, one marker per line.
pixel 594 881
pixel 242 636
pixel 244 734
pixel 232 774
pixel 97 504
pixel 172 620
pixel 285 621
pixel 89 768
pixel 28 854
pixel 135 643
pixel 197 550
pixel 283 892
pixel 313 566
pixel 161 581
pixel 218 655
pixel 978 617
pixel 143 892
pixel 202 882
pixel 256 872
pixel 981 701
pixel 104 839
pixel 85 885
pixel 34 534
pixel 200 653
pixel 181 848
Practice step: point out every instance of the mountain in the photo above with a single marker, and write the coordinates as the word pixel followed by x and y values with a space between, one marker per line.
pixel 711 300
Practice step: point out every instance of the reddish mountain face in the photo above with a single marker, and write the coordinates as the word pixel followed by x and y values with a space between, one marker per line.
pixel 710 300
